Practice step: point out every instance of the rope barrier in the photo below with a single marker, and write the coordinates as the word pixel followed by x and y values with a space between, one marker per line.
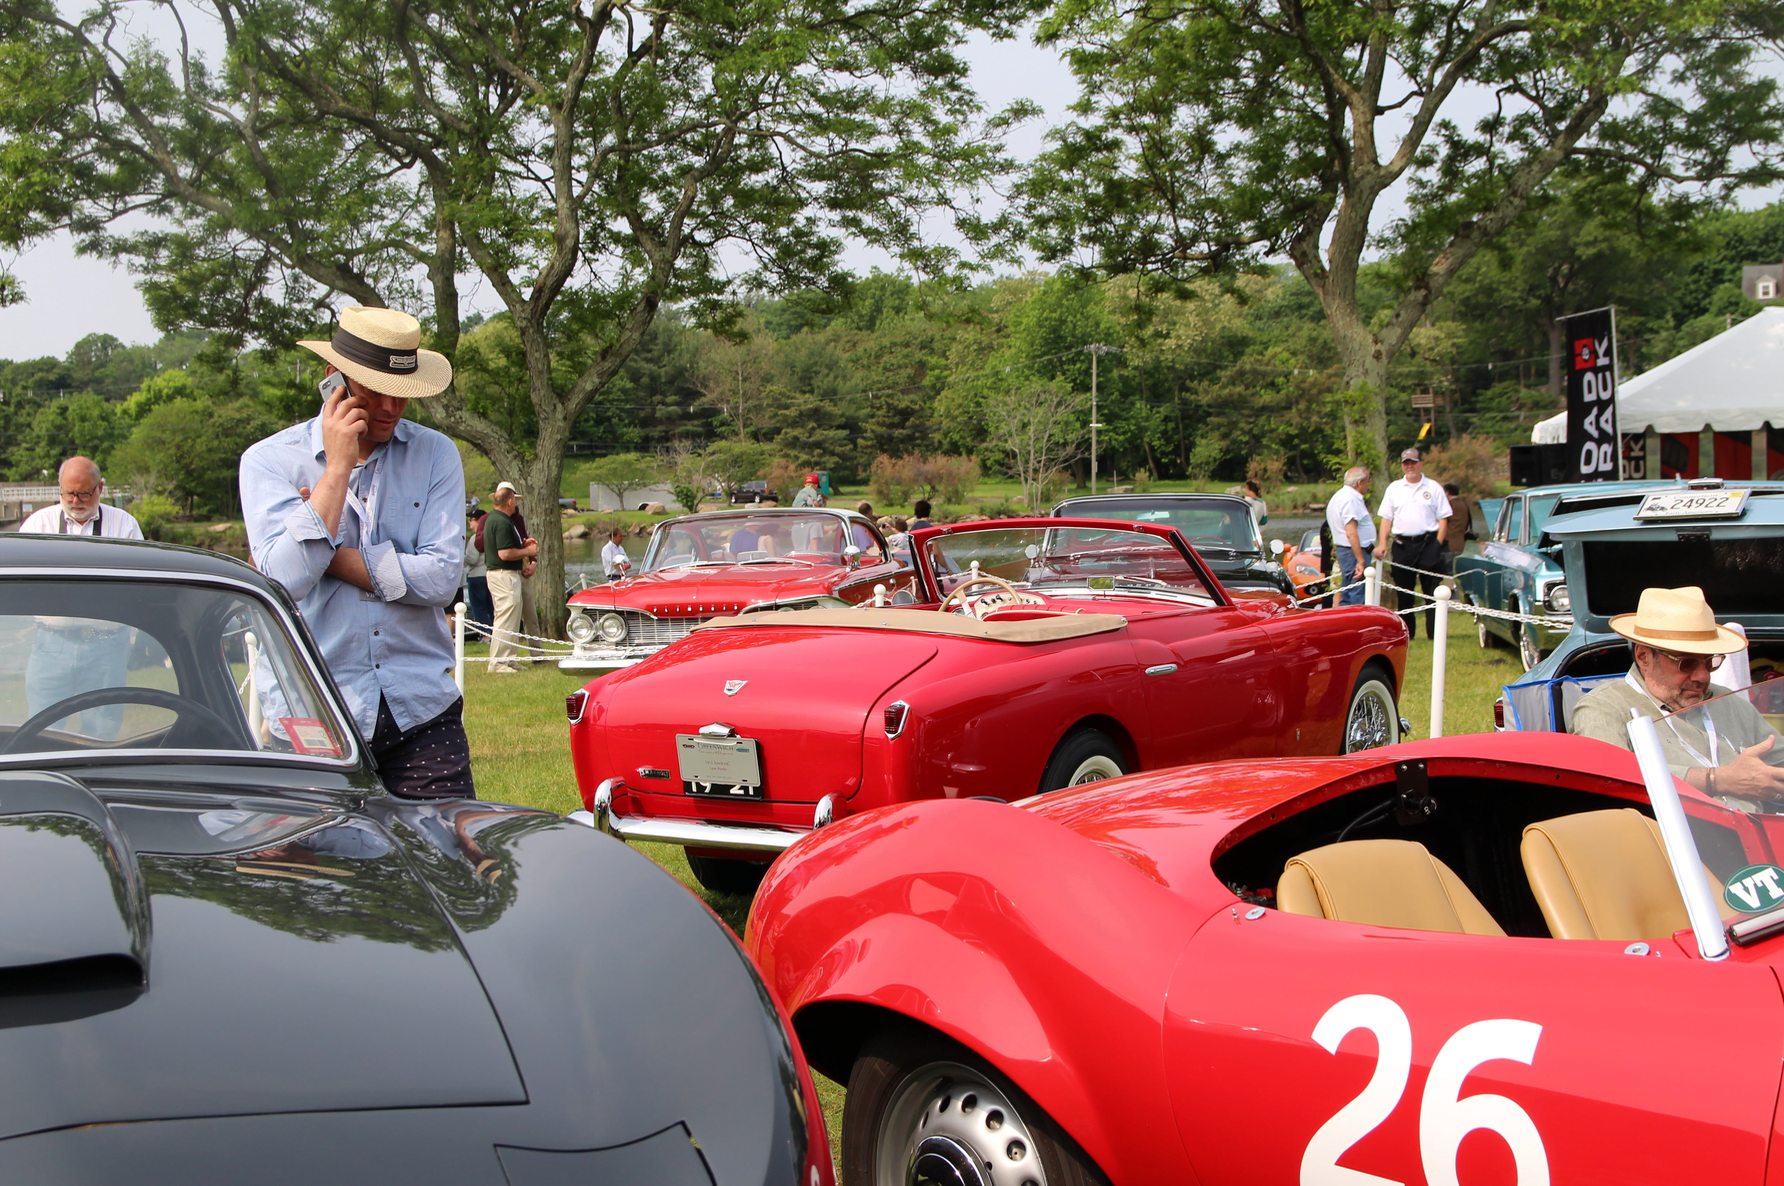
pixel 1466 607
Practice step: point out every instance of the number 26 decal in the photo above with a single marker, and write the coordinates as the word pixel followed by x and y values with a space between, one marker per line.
pixel 1444 1116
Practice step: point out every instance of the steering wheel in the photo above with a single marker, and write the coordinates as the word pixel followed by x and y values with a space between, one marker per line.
pixel 184 706
pixel 978 578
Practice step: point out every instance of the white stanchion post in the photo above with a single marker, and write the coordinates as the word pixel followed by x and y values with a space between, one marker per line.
pixel 879 596
pixel 458 646
pixel 1371 586
pixel 1675 834
pixel 255 719
pixel 1439 659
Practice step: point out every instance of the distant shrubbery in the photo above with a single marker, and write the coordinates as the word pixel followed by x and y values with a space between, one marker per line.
pixel 1472 462
pixel 896 481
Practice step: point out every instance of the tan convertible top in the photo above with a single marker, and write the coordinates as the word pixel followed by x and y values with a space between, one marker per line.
pixel 1050 628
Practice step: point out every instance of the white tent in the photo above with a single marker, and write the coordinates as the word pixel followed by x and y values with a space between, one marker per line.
pixel 1733 383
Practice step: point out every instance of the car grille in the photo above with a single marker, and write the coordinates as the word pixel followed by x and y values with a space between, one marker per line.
pixel 642 630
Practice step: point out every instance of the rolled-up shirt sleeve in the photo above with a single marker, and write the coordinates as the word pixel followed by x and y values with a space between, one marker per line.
pixel 431 574
pixel 286 536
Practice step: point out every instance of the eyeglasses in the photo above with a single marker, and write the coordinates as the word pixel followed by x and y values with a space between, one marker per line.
pixel 1691 662
pixel 80 495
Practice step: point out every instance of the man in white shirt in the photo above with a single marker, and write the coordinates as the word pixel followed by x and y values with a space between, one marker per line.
pixel 1353 532
pixel 1412 514
pixel 74 655
pixel 614 561
pixel 80 511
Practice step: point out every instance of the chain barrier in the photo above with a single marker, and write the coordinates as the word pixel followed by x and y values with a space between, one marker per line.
pixel 471 624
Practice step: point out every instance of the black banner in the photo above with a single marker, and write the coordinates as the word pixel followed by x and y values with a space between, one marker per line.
pixel 1593 446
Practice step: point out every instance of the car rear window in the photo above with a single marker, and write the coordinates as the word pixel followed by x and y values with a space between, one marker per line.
pixel 1738 576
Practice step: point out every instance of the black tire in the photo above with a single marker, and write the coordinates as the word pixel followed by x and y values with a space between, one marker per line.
pixel 1372 718
pixel 1482 634
pixel 1529 650
pixel 722 875
pixel 1087 755
pixel 915 1096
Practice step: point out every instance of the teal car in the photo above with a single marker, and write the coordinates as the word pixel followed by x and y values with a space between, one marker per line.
pixel 1516 568
pixel 1608 556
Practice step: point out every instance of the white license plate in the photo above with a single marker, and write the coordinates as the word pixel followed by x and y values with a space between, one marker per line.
pixel 725 767
pixel 1693 504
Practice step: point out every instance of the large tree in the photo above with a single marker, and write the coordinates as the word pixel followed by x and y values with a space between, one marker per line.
pixel 582 163
pixel 1213 133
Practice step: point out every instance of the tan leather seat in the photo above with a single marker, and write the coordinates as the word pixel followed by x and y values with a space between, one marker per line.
pixel 1604 875
pixel 1387 883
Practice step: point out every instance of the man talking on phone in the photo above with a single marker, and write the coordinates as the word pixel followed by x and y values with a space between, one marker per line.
pixel 359 514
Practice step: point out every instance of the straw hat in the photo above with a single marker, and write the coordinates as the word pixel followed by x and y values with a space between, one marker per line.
pixel 381 349
pixel 1677 620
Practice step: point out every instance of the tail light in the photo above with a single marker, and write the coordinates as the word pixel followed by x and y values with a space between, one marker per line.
pixel 896 712
pixel 1499 713
pixel 574 704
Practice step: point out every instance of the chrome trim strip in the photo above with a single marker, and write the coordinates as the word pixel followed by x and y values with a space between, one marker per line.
pixel 324 683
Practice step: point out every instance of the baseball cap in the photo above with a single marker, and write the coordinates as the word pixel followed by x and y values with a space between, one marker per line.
pixel 811 478
pixel 501 486
pixel 1408 455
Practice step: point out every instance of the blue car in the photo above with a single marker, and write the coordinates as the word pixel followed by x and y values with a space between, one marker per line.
pixel 1610 551
pixel 1516 568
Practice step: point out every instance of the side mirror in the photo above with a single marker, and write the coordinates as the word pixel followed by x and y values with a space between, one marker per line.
pixel 1277 547
pixel 851 555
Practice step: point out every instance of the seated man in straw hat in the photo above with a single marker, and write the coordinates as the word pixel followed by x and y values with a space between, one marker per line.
pixel 359 514
pixel 1725 748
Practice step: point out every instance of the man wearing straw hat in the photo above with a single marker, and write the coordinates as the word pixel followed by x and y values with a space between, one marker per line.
pixel 359 514
pixel 1726 748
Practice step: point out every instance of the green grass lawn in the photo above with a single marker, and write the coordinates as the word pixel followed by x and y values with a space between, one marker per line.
pixel 520 749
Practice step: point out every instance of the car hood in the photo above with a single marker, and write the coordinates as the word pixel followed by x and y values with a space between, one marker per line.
pixel 223 958
pixel 691 592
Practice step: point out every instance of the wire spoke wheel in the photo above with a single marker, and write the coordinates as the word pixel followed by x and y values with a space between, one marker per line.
pixel 1374 718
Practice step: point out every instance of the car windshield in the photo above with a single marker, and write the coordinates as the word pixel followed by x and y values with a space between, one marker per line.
pixel 756 539
pixel 1210 525
pixel 1540 510
pixel 1086 561
pixel 101 665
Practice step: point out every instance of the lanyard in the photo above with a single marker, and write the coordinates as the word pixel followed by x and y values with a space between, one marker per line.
pixel 98 522
pixel 371 472
pixel 1709 727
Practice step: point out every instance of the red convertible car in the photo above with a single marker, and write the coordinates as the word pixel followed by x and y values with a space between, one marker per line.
pixel 699 567
pixel 1041 653
pixel 1460 961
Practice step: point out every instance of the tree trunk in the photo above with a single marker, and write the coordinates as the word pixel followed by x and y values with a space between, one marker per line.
pixel 1364 399
pixel 1557 351
pixel 541 478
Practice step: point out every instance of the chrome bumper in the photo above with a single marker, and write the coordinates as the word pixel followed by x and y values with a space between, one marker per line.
pixel 691 833
pixel 591 659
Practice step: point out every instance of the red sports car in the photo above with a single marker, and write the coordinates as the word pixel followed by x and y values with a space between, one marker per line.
pixel 699 567
pixel 1041 653
pixel 1460 961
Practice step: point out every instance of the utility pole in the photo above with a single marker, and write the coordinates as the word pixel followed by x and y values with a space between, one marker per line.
pixel 1096 351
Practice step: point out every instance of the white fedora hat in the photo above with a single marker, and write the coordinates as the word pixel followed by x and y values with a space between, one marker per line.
pixel 381 348
pixel 1677 620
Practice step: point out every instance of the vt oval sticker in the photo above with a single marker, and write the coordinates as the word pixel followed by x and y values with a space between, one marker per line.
pixel 1755 889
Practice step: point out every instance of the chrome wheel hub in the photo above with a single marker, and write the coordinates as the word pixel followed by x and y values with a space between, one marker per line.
pixel 947 1125
pixel 1369 724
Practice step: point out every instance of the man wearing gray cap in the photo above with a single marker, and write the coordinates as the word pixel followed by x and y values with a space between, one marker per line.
pixel 1412 513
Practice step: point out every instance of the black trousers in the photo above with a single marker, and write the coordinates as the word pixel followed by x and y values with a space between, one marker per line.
pixel 1418 551
pixel 430 761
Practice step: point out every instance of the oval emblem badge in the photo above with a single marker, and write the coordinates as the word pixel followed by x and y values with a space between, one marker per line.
pixel 1754 889
pixel 734 686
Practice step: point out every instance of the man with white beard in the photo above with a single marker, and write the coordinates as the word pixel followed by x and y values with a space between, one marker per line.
pixel 73 655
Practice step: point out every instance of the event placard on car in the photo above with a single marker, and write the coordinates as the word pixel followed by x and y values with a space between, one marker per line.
pixel 1693 504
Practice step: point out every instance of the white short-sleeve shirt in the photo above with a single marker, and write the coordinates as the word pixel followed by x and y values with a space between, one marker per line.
pixel 112 523
pixel 1414 509
pixel 1347 506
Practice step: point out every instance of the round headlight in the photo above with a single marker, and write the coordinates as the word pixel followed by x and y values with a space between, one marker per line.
pixel 613 628
pixel 580 628
pixel 1560 601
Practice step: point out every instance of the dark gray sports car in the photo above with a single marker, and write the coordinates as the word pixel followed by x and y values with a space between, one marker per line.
pixel 1219 527
pixel 227 954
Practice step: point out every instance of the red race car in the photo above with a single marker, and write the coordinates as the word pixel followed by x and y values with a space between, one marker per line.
pixel 1461 961
pixel 1040 653
pixel 699 567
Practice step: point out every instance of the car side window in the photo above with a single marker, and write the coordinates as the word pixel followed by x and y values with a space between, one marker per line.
pixel 1502 529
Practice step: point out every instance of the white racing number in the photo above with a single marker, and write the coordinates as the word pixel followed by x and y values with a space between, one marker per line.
pixel 1445 1117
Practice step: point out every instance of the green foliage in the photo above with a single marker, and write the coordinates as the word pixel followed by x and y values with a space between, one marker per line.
pixel 1212 136
pixel 84 424
pixel 623 473
pixel 153 513
pixel 730 464
pixel 190 450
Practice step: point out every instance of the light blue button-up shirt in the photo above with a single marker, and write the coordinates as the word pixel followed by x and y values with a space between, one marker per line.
pixel 392 642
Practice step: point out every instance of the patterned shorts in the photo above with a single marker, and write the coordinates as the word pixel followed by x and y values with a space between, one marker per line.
pixel 430 761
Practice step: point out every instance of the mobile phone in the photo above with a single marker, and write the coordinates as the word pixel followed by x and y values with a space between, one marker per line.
pixel 329 386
